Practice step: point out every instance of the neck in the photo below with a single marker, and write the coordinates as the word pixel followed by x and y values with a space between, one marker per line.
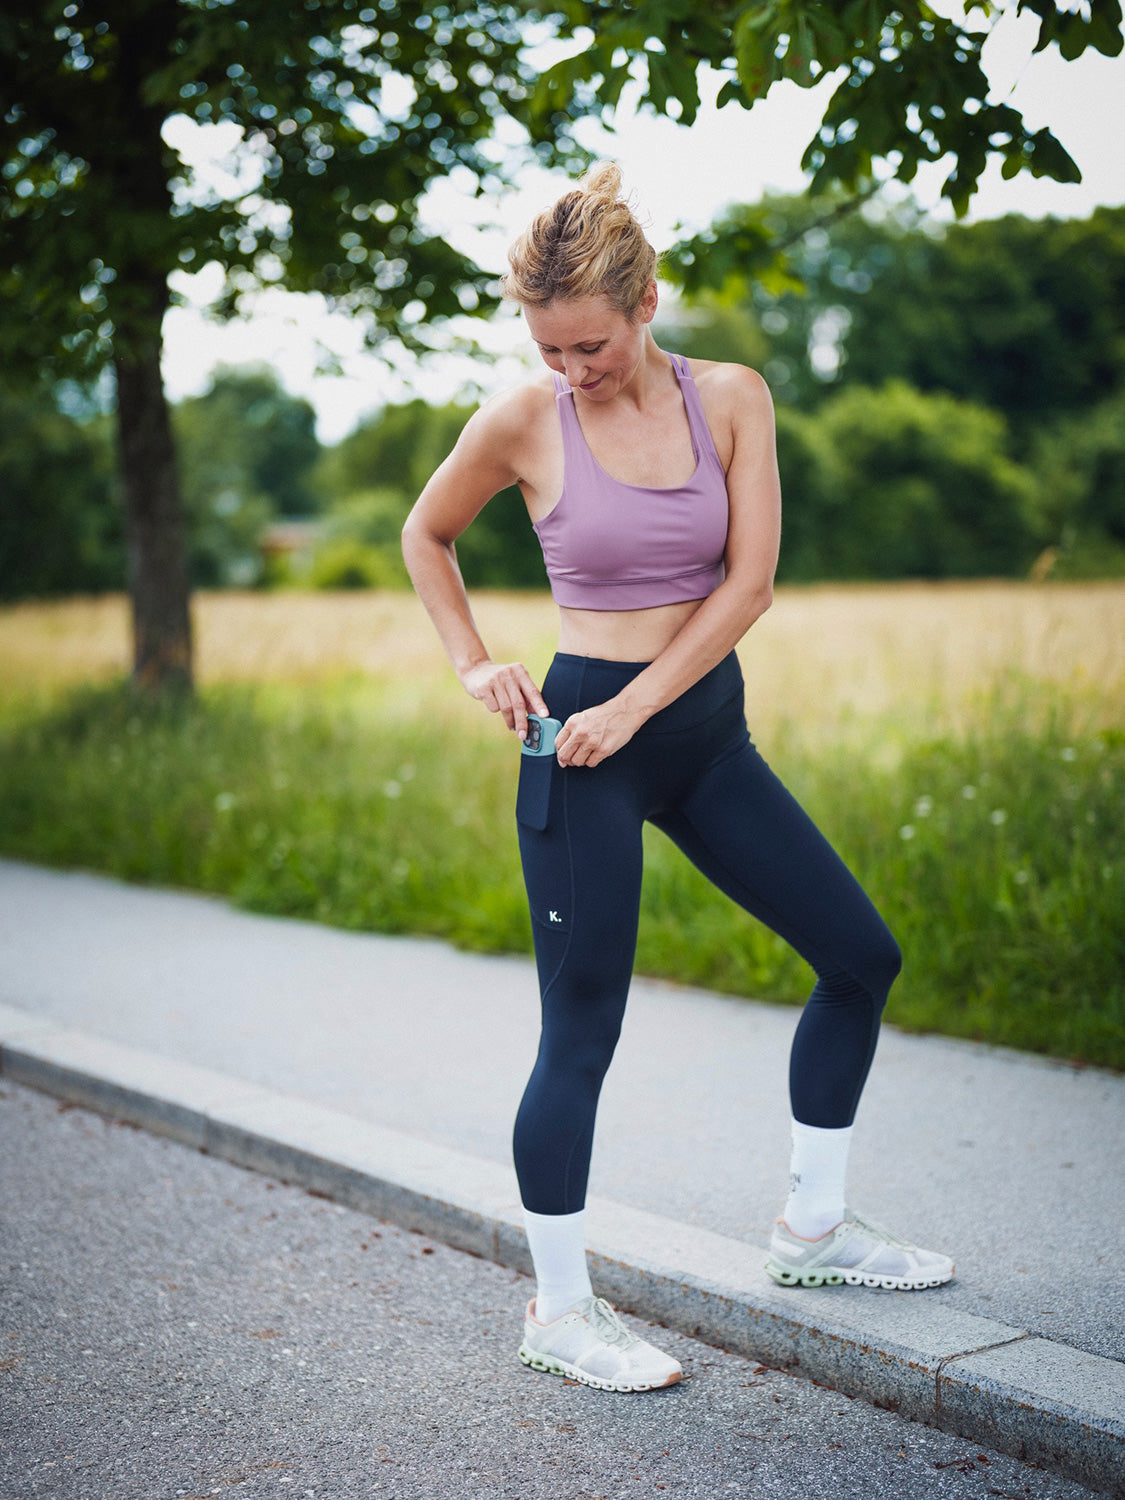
pixel 650 378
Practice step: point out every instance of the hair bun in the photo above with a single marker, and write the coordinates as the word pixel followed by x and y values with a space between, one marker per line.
pixel 588 244
pixel 603 180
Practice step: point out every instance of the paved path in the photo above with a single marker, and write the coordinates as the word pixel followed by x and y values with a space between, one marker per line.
pixel 175 1327
pixel 1012 1164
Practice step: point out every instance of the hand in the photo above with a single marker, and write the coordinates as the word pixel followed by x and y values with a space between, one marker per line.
pixel 505 689
pixel 589 737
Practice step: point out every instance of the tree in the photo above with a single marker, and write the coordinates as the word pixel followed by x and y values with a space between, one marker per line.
pixel 910 85
pixel 397 448
pixel 802 312
pixel 247 421
pixel 369 481
pixel 1023 315
pixel 1081 464
pixel 344 112
pixel 59 528
pixel 247 450
pixel 894 483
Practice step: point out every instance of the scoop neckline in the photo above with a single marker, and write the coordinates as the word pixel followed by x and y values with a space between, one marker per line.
pixel 655 489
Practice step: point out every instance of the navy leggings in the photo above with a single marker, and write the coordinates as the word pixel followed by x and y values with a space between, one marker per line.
pixel 693 772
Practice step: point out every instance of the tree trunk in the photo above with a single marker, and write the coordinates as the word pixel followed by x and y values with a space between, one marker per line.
pixel 154 519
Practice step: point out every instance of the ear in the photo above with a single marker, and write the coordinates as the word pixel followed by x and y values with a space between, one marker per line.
pixel 646 309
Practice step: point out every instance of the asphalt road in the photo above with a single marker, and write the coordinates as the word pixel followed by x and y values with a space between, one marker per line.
pixel 174 1326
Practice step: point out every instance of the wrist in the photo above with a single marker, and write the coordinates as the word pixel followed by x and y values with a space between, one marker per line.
pixel 465 668
pixel 635 704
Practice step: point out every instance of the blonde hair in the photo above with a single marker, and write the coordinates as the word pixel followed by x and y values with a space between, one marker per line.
pixel 589 244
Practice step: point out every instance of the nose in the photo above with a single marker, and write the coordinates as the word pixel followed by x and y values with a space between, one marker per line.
pixel 576 374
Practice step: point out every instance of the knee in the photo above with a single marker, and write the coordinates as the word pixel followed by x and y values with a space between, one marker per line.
pixel 866 973
pixel 882 965
pixel 577 1060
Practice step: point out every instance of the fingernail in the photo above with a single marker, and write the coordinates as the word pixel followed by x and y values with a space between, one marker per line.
pixel 521 734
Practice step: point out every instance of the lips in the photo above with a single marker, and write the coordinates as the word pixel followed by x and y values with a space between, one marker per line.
pixel 593 385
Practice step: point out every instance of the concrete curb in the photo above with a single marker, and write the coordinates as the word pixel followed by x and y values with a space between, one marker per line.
pixel 984 1380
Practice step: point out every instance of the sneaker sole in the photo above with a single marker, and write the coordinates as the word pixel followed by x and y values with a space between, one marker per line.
pixel 833 1276
pixel 551 1366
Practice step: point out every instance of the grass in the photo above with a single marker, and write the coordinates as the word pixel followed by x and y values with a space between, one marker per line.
pixel 962 746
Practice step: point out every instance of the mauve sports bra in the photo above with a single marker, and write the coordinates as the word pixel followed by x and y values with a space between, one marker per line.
pixel 611 545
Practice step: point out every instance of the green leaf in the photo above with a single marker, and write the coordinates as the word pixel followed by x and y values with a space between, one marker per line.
pixel 754 54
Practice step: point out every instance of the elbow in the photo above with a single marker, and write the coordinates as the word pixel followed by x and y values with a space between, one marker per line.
pixel 409 533
pixel 406 543
pixel 756 596
pixel 757 603
pixel 413 540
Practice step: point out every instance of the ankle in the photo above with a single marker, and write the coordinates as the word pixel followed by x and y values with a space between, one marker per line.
pixel 811 1228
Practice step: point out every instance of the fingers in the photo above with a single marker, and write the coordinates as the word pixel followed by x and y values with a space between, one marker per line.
pixel 509 691
pixel 575 745
pixel 592 735
pixel 524 698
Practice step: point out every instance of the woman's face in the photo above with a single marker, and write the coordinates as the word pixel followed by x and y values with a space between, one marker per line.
pixel 593 346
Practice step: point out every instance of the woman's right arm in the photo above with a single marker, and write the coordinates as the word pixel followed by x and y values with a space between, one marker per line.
pixel 483 462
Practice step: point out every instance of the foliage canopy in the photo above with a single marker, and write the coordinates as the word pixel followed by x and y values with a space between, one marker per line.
pixel 910 85
pixel 340 114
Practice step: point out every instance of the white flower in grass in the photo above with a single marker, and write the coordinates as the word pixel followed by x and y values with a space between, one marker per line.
pixel 906 831
pixel 225 801
pixel 392 789
pixel 1069 753
pixel 968 792
pixel 923 807
pixel 998 816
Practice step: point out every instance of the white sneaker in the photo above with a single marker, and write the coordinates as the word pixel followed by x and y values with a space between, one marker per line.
pixel 591 1344
pixel 856 1252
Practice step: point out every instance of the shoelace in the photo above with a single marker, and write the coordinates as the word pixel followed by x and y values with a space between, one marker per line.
pixel 609 1326
pixel 891 1240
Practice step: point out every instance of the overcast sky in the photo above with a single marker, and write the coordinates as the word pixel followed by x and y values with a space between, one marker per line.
pixel 680 178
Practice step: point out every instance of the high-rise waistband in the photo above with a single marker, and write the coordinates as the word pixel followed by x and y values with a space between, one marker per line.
pixel 576 682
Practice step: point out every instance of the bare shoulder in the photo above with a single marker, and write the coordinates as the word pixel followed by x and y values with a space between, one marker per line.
pixel 738 407
pixel 507 419
pixel 730 388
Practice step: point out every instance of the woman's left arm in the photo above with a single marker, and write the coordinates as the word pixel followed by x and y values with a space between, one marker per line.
pixel 741 411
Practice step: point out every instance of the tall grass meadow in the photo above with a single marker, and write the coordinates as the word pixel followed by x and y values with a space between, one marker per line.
pixel 986 823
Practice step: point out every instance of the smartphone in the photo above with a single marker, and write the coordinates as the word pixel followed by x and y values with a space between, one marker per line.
pixel 540 736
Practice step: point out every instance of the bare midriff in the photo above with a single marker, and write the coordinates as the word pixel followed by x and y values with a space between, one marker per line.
pixel 623 634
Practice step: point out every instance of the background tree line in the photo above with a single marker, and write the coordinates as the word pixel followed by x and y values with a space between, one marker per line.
pixel 950 403
pixel 345 112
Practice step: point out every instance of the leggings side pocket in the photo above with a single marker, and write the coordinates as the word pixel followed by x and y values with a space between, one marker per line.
pixel 533 795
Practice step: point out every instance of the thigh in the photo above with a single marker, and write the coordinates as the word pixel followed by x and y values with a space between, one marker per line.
pixel 582 871
pixel 746 832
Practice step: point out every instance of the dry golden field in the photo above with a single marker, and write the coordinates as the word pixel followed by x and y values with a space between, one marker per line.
pixel 831 659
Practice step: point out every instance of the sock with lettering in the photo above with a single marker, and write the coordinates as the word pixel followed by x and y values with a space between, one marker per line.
pixel 818 1167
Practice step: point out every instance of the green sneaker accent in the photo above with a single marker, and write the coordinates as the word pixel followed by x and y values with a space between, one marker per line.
pixel 855 1253
pixel 591 1344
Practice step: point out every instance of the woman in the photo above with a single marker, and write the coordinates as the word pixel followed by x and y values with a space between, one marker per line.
pixel 652 484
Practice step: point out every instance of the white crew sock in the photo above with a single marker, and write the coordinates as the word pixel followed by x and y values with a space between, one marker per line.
pixel 818 1168
pixel 558 1253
